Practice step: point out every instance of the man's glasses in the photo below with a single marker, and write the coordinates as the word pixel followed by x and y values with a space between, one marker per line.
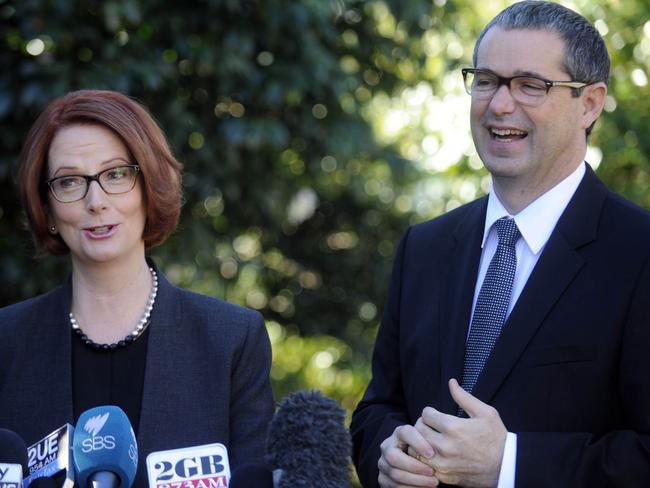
pixel 71 188
pixel 482 84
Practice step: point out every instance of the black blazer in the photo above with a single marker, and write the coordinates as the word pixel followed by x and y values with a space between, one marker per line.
pixel 206 377
pixel 570 373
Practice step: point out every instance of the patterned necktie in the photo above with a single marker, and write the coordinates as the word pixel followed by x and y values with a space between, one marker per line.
pixel 492 303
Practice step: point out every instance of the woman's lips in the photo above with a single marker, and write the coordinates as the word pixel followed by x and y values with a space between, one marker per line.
pixel 100 232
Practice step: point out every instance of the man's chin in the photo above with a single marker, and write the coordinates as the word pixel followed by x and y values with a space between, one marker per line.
pixel 504 167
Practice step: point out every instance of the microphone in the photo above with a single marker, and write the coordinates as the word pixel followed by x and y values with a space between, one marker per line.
pixel 13 459
pixel 104 448
pixel 190 467
pixel 44 482
pixel 308 442
pixel 51 458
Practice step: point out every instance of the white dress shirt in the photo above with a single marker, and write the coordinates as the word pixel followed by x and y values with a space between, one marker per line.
pixel 536 223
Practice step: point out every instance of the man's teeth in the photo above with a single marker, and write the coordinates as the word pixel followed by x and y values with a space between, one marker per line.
pixel 508 132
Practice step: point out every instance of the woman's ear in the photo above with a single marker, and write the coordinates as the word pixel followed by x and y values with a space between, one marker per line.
pixel 51 226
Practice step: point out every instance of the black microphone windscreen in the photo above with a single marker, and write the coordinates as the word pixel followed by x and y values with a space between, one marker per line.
pixel 13 449
pixel 251 475
pixel 309 442
pixel 44 482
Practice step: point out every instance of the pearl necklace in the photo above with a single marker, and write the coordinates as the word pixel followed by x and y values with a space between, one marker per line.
pixel 141 326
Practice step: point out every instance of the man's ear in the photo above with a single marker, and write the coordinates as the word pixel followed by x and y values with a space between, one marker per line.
pixel 593 101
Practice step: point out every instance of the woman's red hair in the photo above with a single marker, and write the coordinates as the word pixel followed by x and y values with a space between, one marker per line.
pixel 143 138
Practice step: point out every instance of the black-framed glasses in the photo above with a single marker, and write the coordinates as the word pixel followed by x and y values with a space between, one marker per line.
pixel 482 84
pixel 116 180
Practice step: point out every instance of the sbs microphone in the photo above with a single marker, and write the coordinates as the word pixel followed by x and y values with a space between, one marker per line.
pixel 51 458
pixel 309 443
pixel 13 459
pixel 104 448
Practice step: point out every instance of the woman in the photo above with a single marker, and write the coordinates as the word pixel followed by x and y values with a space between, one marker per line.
pixel 98 182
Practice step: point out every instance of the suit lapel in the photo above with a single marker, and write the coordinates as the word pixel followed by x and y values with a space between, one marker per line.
pixel 456 305
pixel 177 401
pixel 162 373
pixel 557 266
pixel 555 269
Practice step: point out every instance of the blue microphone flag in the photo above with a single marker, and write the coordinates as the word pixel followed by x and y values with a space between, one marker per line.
pixel 104 441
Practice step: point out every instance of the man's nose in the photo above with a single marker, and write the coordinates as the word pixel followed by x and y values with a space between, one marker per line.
pixel 502 101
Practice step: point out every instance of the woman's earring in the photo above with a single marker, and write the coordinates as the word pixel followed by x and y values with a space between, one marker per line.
pixel 52 229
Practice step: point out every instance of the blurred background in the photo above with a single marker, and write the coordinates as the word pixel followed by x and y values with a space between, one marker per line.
pixel 313 133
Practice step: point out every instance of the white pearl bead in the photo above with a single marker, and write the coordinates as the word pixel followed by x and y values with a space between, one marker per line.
pixel 144 320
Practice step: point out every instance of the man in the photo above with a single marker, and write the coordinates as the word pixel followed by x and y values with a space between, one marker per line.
pixel 534 298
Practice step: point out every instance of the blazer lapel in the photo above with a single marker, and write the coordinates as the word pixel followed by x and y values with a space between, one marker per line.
pixel 456 305
pixel 557 266
pixel 170 406
pixel 162 374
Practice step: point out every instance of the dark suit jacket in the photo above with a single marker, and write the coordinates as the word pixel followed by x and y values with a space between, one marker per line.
pixel 570 373
pixel 206 377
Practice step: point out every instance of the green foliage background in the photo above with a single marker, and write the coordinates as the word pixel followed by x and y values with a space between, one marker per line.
pixel 313 132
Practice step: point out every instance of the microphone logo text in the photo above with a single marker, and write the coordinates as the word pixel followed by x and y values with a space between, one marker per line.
pixel 43 453
pixel 97 442
pixel 203 466
pixel 192 472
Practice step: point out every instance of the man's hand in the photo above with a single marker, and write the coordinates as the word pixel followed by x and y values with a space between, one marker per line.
pixel 397 468
pixel 468 452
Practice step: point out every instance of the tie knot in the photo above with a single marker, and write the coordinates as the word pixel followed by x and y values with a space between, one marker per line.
pixel 507 231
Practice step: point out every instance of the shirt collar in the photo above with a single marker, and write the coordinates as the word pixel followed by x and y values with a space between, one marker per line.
pixel 538 219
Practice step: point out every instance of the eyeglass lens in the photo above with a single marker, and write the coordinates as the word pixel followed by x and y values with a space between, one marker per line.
pixel 525 89
pixel 120 179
